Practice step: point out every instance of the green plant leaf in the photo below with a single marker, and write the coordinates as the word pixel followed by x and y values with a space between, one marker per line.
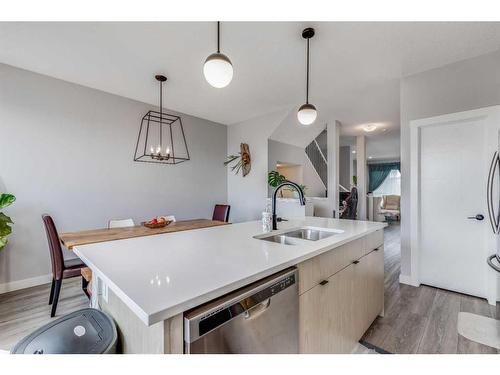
pixel 5 218
pixel 274 178
pixel 6 200
pixel 5 229
pixel 3 242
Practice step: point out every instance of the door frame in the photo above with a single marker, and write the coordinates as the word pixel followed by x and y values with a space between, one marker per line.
pixel 415 212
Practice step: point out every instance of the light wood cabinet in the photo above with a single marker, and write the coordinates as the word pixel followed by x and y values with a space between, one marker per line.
pixel 319 268
pixel 375 277
pixel 325 323
pixel 373 241
pixel 336 310
pixel 367 293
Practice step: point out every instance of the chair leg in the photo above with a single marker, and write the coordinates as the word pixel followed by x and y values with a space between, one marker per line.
pixel 51 297
pixel 57 289
pixel 85 285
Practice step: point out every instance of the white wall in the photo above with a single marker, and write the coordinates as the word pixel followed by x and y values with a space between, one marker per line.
pixel 68 150
pixel 247 195
pixel 279 152
pixel 465 85
pixel 362 177
pixel 345 166
pixel 333 142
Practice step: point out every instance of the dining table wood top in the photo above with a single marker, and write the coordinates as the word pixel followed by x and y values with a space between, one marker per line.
pixel 72 239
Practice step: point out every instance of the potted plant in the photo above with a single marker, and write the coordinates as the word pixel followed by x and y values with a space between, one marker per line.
pixel 5 229
pixel 274 179
pixel 295 192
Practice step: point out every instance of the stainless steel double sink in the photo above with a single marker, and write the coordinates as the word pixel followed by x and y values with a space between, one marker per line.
pixel 303 233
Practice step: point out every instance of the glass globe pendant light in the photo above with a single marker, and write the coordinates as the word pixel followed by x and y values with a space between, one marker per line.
pixel 307 112
pixel 218 69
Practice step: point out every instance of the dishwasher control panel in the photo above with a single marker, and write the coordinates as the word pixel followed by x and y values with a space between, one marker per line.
pixel 281 285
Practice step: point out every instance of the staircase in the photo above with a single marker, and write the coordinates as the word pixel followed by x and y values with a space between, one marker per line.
pixel 316 152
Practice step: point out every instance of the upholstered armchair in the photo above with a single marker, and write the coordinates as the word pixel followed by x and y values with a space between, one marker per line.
pixel 390 207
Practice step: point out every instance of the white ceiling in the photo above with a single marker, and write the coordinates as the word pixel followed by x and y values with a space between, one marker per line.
pixel 355 67
pixel 379 145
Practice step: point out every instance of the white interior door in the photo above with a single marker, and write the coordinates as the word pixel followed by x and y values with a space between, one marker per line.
pixel 455 153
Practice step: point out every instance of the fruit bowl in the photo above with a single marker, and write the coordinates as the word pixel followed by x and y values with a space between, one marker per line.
pixel 157 223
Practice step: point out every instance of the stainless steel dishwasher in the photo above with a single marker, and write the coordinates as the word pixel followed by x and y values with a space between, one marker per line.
pixel 262 317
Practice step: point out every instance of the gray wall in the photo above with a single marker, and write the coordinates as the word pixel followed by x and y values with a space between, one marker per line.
pixel 247 195
pixel 285 153
pixel 465 85
pixel 67 150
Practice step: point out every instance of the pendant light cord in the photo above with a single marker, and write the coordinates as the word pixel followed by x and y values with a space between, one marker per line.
pixel 218 36
pixel 307 74
pixel 161 114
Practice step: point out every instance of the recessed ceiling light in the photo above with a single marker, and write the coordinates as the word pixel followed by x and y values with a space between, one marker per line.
pixel 384 130
pixel 370 157
pixel 369 128
pixel 353 151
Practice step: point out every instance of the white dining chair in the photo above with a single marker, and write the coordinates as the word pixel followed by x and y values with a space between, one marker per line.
pixel 121 223
pixel 170 217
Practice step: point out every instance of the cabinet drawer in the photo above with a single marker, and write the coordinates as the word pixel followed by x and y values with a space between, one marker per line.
pixel 313 271
pixel 373 241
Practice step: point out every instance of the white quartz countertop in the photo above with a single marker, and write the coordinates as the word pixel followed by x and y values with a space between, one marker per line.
pixel 163 275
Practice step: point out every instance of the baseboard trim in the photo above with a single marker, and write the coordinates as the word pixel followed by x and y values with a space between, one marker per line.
pixel 26 283
pixel 405 279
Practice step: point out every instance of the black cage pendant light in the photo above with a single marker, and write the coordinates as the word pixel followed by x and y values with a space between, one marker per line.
pixel 307 112
pixel 161 136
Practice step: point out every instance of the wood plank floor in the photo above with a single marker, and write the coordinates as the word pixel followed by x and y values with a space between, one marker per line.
pixel 23 311
pixel 424 319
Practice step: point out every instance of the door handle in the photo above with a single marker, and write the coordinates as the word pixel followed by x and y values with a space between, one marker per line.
pixel 477 217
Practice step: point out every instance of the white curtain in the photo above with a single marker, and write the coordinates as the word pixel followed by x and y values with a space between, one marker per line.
pixel 390 186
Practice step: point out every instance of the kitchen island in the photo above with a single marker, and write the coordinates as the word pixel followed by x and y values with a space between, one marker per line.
pixel 147 283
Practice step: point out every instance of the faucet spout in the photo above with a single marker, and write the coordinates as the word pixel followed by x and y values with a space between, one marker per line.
pixel 302 199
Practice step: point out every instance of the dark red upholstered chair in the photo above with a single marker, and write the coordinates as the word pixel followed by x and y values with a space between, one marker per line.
pixel 61 269
pixel 221 212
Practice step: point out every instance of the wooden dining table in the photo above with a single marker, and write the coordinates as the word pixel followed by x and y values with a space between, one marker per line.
pixel 86 237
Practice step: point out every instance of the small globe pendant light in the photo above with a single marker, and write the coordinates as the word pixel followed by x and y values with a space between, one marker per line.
pixel 307 112
pixel 218 69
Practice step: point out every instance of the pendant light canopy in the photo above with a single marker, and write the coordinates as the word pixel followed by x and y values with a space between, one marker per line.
pixel 161 136
pixel 307 112
pixel 218 69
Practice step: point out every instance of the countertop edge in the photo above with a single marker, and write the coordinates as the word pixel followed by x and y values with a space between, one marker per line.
pixel 141 314
pixel 169 312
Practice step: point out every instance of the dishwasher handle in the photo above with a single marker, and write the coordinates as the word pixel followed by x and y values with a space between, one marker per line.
pixel 257 299
pixel 257 310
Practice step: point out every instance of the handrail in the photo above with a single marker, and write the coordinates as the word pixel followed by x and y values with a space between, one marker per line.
pixel 320 152
pixel 345 190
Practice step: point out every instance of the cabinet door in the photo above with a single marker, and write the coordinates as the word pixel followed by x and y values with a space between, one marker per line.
pixel 325 318
pixel 360 296
pixel 367 290
pixel 376 283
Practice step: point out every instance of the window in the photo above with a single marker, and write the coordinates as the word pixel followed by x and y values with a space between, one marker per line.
pixel 390 186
